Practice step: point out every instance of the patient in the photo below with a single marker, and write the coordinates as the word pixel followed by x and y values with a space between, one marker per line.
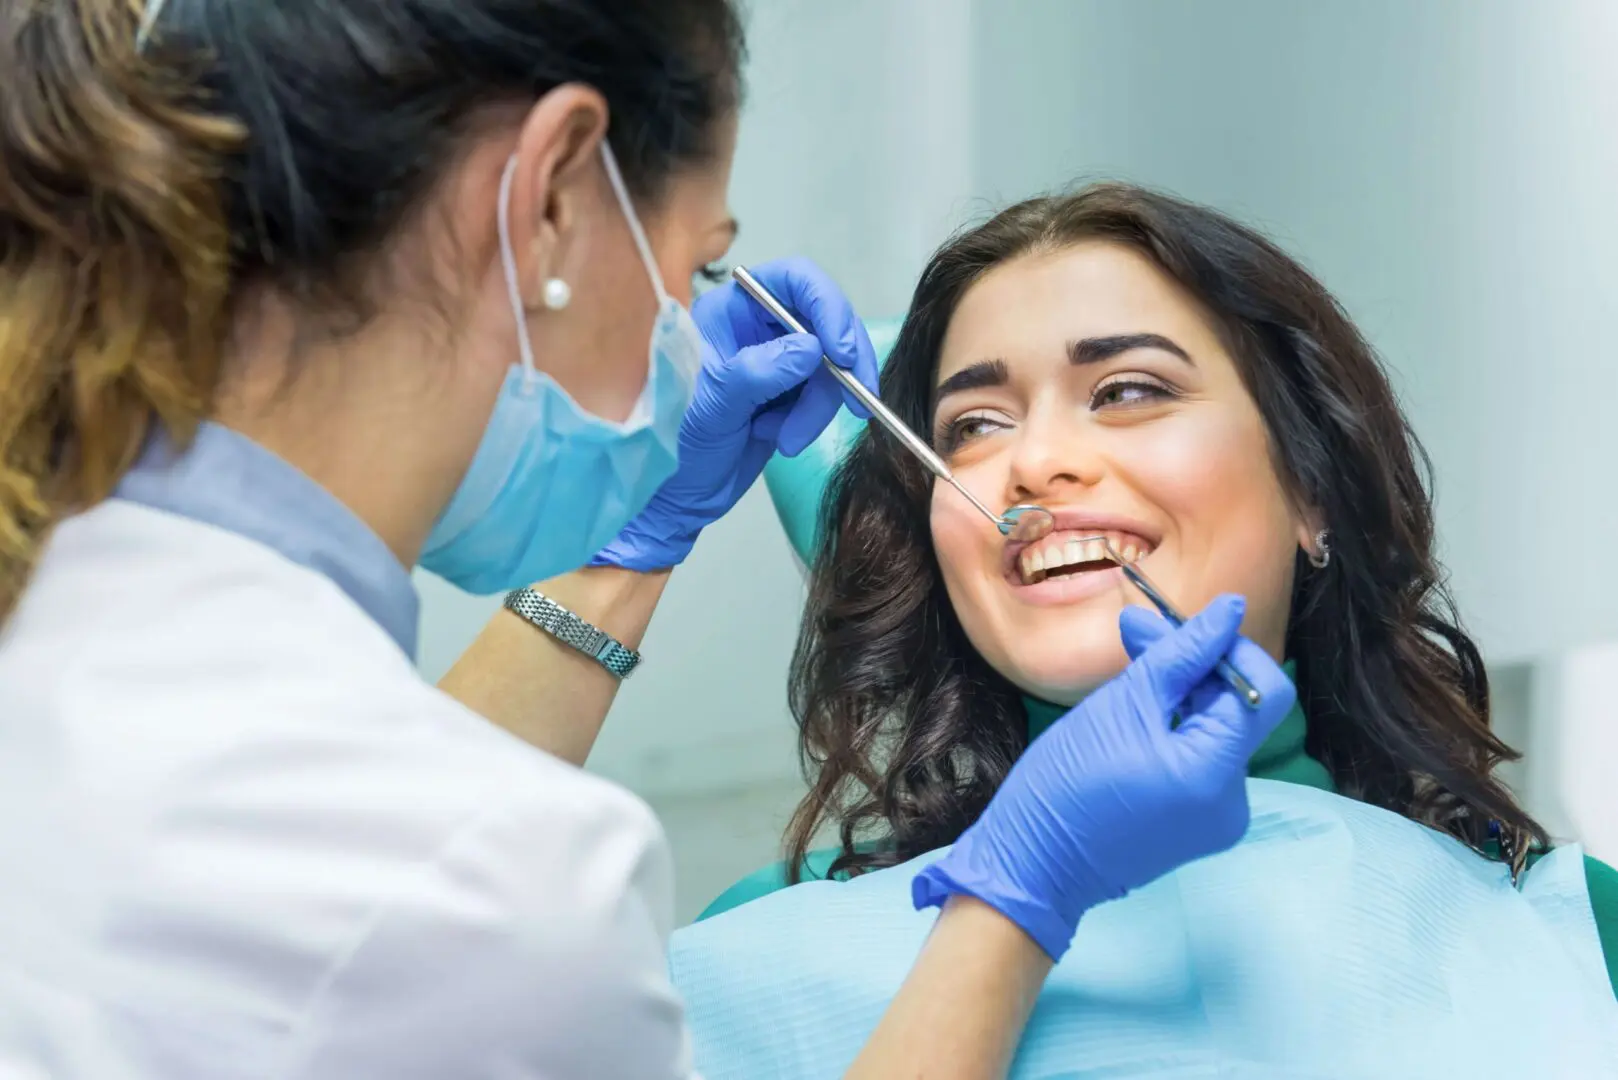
pixel 1150 370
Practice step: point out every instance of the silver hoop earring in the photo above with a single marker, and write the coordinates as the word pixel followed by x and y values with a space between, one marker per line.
pixel 1320 558
pixel 558 294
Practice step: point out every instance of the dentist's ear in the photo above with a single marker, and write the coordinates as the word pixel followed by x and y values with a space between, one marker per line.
pixel 557 188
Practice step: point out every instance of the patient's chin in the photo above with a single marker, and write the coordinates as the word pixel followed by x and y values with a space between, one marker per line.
pixel 1058 654
pixel 1064 673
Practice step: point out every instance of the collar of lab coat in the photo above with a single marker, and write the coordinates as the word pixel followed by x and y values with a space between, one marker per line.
pixel 227 480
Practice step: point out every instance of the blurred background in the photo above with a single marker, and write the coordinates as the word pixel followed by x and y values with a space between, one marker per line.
pixel 1448 167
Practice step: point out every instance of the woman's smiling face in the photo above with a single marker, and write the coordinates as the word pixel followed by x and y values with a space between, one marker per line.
pixel 1087 381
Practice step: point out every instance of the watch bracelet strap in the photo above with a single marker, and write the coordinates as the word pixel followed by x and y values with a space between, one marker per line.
pixel 560 623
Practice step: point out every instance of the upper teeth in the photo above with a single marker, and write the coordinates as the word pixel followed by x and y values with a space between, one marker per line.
pixel 1074 549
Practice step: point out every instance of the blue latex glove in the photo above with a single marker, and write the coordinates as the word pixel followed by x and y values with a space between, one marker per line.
pixel 1115 795
pixel 760 390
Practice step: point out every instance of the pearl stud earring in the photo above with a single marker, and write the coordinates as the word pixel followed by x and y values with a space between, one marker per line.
pixel 558 294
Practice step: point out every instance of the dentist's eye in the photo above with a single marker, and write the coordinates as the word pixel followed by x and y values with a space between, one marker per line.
pixel 955 434
pixel 709 278
pixel 1130 390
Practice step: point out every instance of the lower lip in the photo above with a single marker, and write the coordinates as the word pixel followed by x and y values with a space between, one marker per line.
pixel 1070 588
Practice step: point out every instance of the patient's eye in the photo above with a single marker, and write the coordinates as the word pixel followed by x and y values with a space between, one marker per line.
pixel 963 429
pixel 1124 391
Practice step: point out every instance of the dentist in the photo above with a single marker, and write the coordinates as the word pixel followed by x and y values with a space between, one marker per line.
pixel 295 297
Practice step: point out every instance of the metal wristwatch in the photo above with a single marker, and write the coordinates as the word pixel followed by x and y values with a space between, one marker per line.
pixel 568 628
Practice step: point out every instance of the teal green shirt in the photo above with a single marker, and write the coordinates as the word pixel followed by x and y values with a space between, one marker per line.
pixel 1282 757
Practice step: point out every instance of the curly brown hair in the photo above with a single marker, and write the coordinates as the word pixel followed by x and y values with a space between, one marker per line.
pixel 114 263
pixel 906 731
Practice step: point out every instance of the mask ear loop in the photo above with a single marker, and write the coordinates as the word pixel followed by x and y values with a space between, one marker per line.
pixel 508 260
pixel 619 189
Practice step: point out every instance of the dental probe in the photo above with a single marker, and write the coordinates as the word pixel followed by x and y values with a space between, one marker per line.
pixel 1025 523
pixel 1227 671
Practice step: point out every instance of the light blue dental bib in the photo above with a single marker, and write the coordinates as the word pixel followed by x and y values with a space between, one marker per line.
pixel 1335 941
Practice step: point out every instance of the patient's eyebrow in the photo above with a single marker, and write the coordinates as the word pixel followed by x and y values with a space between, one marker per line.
pixel 973 377
pixel 1084 351
pixel 1095 349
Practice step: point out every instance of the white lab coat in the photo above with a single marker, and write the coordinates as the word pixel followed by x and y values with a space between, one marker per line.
pixel 240 837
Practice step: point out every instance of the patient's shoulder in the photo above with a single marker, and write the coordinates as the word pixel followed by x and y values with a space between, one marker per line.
pixel 773 878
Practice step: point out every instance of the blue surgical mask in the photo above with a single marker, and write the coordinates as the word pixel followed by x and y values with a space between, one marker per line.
pixel 552 484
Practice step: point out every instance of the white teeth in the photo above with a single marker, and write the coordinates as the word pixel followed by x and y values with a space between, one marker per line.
pixel 1087 550
pixel 1036 561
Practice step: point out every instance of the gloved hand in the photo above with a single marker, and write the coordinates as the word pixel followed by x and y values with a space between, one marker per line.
pixel 760 390
pixel 1114 795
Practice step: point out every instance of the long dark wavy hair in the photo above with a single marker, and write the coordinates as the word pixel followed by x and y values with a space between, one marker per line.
pixel 906 731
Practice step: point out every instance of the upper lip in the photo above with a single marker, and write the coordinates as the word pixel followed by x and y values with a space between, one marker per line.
pixel 1086 522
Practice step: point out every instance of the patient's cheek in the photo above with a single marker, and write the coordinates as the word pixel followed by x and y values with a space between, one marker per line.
pixel 953 517
pixel 1207 457
pixel 1234 529
pixel 955 534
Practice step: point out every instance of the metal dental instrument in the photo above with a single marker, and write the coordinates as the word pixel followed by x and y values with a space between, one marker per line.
pixel 1227 671
pixel 1025 523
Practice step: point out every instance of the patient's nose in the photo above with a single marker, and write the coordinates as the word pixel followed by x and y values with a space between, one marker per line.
pixel 1049 458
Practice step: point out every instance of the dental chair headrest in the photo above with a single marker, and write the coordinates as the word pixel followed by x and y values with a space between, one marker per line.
pixel 797 484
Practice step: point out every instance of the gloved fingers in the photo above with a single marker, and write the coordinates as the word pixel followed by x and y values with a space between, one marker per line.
pixel 757 376
pixel 1213 709
pixel 718 311
pixel 1176 663
pixel 825 311
pixel 767 425
pixel 815 408
pixel 1219 719
pixel 1141 628
pixel 864 369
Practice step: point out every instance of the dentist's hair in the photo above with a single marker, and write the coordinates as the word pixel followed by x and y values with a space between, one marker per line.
pixel 262 142
pixel 907 732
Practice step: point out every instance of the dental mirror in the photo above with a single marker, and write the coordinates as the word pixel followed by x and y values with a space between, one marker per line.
pixel 1025 523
